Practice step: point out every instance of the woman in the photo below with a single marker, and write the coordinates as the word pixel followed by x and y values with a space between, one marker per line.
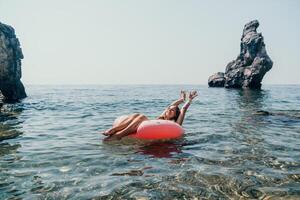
pixel 131 123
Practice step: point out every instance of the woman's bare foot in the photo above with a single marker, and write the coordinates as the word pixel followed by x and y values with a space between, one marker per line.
pixel 111 138
pixel 108 132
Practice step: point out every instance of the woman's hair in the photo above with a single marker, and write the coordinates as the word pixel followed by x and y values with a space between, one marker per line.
pixel 177 113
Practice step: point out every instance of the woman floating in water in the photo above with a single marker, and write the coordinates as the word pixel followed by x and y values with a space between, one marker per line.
pixel 130 124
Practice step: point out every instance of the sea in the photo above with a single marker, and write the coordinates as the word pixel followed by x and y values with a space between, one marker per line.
pixel 238 144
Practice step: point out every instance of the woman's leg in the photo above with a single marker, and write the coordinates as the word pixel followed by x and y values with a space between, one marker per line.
pixel 131 128
pixel 121 125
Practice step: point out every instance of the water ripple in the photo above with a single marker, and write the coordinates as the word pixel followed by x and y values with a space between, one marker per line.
pixel 239 144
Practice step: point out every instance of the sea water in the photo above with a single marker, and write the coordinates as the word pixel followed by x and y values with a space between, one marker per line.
pixel 239 144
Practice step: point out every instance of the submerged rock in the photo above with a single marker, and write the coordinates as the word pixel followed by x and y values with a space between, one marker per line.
pixel 130 173
pixel 262 112
pixel 11 54
pixel 249 68
pixel 9 134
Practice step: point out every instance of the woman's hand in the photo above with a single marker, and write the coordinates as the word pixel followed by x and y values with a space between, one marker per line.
pixel 182 95
pixel 185 107
pixel 192 95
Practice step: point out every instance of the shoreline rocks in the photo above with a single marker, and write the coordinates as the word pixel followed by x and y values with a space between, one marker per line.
pixel 11 54
pixel 217 80
pixel 249 68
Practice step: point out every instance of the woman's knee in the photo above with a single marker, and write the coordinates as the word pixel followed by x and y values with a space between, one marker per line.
pixel 135 115
pixel 139 115
pixel 142 117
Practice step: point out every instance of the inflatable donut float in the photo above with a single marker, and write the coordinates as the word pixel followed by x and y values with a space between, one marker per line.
pixel 158 130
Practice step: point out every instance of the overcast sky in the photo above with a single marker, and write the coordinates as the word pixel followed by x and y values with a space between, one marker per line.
pixel 148 42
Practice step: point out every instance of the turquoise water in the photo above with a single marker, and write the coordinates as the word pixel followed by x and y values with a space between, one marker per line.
pixel 230 151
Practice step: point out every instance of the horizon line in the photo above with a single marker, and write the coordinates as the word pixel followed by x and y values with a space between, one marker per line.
pixel 112 84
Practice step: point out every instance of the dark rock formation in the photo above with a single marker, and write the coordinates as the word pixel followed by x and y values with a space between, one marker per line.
pixel 11 54
pixel 216 80
pixel 249 68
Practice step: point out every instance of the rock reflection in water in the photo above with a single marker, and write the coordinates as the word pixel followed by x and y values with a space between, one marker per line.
pixel 6 148
pixel 9 121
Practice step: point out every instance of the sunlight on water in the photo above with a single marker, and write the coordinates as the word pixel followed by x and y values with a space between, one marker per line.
pixel 238 145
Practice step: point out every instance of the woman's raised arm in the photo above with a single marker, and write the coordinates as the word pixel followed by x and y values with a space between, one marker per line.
pixel 180 100
pixel 176 102
pixel 185 107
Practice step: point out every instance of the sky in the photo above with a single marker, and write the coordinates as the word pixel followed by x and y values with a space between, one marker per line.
pixel 148 42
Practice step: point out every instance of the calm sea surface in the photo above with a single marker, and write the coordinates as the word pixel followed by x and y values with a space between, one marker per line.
pixel 230 150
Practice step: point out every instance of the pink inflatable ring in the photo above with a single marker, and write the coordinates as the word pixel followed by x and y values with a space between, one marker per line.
pixel 158 130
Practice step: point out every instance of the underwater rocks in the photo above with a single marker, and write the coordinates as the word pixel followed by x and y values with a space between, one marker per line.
pixel 11 54
pixel 5 135
pixel 249 68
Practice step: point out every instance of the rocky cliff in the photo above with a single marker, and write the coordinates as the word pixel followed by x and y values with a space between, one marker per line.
pixel 249 68
pixel 11 54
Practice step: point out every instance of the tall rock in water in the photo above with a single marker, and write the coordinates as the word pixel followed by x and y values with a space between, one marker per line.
pixel 249 68
pixel 11 54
